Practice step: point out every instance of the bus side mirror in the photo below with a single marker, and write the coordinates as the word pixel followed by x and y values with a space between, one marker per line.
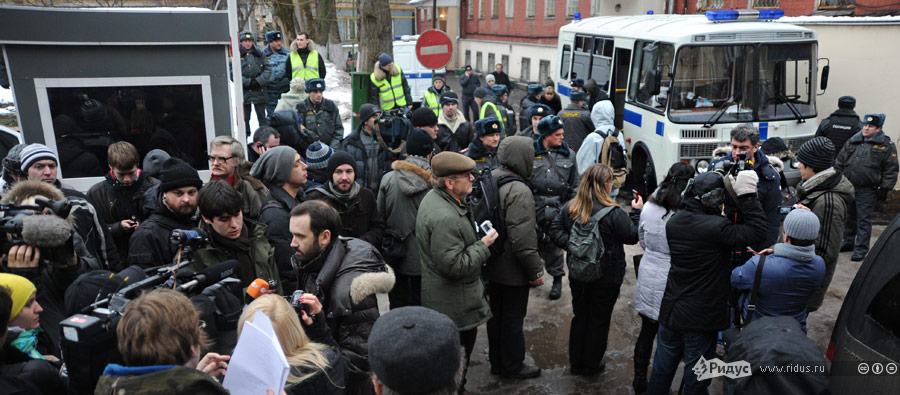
pixel 824 82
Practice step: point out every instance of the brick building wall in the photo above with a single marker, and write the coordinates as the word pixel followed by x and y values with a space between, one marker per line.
pixel 539 29
pixel 799 7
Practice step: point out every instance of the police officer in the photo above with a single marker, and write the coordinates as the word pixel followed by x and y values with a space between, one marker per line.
pixel 432 97
pixel 555 180
pixel 492 107
pixel 304 61
pixel 577 120
pixel 577 84
pixel 276 58
pixel 256 74
pixel 841 124
pixel 536 112
pixel 483 150
pixel 320 116
pixel 389 88
pixel 533 97
pixel 869 161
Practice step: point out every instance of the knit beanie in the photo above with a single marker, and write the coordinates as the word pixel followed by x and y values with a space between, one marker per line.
pixel 367 110
pixel 549 124
pixel 801 225
pixel 153 162
pixel 449 97
pixel 480 92
pixel 424 116
pixel 20 289
pixel 317 155
pixel 818 154
pixel 340 158
pixel 431 364
pixel 274 167
pixel 35 152
pixel 178 174
pixel 92 111
pixel 489 78
pixel 419 143
pixel 384 60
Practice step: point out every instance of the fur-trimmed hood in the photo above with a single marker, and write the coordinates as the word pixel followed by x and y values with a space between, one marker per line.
pixel 776 163
pixel 26 189
pixel 380 73
pixel 412 177
pixel 311 46
pixel 371 283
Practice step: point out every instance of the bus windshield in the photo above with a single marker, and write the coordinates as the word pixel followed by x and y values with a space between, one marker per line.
pixel 743 83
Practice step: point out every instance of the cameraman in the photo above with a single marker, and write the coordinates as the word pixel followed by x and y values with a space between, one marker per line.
pixel 234 237
pixel 745 140
pixel 160 339
pixel 373 160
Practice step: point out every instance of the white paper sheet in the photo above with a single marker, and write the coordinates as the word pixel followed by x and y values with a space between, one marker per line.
pixel 258 362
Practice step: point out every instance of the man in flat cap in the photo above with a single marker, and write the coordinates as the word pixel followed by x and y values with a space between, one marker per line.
pixel 842 124
pixel 450 251
pixel 869 161
pixel 321 117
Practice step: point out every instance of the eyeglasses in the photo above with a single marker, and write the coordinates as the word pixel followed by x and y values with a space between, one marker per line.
pixel 467 176
pixel 222 159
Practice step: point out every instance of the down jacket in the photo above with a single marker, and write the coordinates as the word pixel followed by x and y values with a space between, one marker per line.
pixel 150 244
pixel 654 270
pixel 400 194
pixel 555 180
pixel 520 262
pixel 276 215
pixel 454 135
pixel 354 146
pixel 115 202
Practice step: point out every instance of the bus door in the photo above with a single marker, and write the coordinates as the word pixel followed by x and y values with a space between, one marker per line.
pixel 617 88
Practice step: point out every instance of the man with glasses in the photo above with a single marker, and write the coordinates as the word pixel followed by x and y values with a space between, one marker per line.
pixel 226 157
pixel 450 251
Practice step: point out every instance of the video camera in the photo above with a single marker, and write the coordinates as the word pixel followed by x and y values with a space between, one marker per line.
pixel 732 167
pixel 25 224
pixel 392 129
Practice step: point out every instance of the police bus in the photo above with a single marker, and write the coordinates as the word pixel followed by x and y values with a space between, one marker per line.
pixel 680 83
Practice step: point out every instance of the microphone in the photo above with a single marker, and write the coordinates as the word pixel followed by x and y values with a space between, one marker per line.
pixel 46 230
pixel 258 288
pixel 212 275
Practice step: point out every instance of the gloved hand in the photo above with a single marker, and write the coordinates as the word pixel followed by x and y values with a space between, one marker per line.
pixel 881 194
pixel 745 183
pixel 254 84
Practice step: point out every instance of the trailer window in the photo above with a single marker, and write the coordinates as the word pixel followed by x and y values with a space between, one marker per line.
pixel 651 74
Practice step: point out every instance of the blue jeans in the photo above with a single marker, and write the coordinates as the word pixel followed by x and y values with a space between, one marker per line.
pixel 671 346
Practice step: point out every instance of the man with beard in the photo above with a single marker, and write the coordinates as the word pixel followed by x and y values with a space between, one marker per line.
pixel 344 273
pixel 172 205
pixel 483 150
pixel 454 132
pixel 321 117
pixel 226 156
pixel 355 203
pixel 119 198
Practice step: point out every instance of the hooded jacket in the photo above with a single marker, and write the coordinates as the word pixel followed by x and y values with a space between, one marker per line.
pixel 149 245
pixel 654 269
pixel 290 99
pixel 400 194
pixel 454 135
pixel 555 180
pixel 520 262
pixel 276 215
pixel 374 94
pixel 602 117
pixel 254 67
pixel 304 53
pixel 115 202
pixel 869 163
pixel 839 127
pixel 322 121
pixel 577 123
pixel 359 215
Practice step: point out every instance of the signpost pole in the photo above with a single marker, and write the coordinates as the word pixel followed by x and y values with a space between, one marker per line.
pixel 434 17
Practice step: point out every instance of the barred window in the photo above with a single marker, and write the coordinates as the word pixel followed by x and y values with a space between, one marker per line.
pixel 529 8
pixel 550 8
pixel 571 7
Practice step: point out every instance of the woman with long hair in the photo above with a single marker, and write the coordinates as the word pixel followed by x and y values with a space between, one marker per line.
pixel 654 268
pixel 593 301
pixel 317 364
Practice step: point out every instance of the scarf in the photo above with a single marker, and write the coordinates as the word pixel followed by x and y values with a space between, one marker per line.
pixel 238 249
pixel 800 254
pixel 344 197
pixel 818 178
pixel 451 124
pixel 27 343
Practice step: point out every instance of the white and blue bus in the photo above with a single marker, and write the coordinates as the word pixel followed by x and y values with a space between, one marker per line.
pixel 680 83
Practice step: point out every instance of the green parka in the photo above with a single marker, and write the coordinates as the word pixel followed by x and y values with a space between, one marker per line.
pixel 262 253
pixel 452 256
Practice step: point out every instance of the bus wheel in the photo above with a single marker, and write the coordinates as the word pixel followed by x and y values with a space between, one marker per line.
pixel 643 173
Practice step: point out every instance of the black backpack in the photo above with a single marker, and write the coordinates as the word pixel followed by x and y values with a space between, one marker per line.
pixel 485 199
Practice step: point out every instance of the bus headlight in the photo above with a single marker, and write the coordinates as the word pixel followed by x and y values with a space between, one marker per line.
pixel 702 166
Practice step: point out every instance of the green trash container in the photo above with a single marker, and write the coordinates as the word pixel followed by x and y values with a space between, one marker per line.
pixel 359 84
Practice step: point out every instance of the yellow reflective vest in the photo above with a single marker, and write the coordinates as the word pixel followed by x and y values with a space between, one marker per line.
pixel 432 101
pixel 390 90
pixel 499 115
pixel 306 71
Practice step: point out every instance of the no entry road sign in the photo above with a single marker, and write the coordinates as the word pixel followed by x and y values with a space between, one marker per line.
pixel 434 49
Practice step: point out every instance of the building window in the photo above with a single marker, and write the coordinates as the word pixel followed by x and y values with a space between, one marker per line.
pixel 836 4
pixel 510 8
pixel 529 8
pixel 571 7
pixel 468 58
pixel 764 3
pixel 703 5
pixel 480 9
pixel 526 69
pixel 550 8
pixel 595 7
pixel 504 60
pixel 478 62
pixel 495 9
pixel 490 63
pixel 544 70
pixel 471 9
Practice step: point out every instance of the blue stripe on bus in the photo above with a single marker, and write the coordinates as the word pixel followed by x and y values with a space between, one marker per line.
pixel 763 130
pixel 660 128
pixel 417 76
pixel 563 90
pixel 633 117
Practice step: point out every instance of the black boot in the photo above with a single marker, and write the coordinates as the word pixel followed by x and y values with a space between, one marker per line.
pixel 639 384
pixel 556 289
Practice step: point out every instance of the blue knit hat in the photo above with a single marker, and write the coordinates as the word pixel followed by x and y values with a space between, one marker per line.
pixel 534 89
pixel 384 60
pixel 801 225
pixel 486 126
pixel 549 124
pixel 273 35
pixel 317 155
pixel 315 84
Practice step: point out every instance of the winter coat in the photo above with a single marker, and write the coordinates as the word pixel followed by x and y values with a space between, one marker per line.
pixel 700 245
pixel 525 111
pixel 528 132
pixel 253 192
pixel 452 256
pixel 285 122
pixel 520 262
pixel 380 75
pixel 789 277
pixel 331 382
pixel 602 118
pixel 304 55
pixel 115 202
pixel 35 372
pixel 469 84
pixel 276 60
pixel 290 99
pixel 454 135
pixel 322 121
pixel 768 191
pixel 616 229
pixel 400 194
pixel 502 79
pixel 510 121
pixel 261 253
pixel 871 163
pixel 839 127
pixel 352 271
pixel 484 160
pixel 254 68
pixel 654 270
pixel 829 195
pixel 555 104
pixel 577 125
pixel 487 111
pixel 354 146
pixel 276 215
pixel 149 245
pixel 359 216
pixel 555 180
pixel 161 379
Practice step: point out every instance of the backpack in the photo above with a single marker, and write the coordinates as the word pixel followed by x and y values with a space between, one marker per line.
pixel 613 155
pixel 585 248
pixel 485 199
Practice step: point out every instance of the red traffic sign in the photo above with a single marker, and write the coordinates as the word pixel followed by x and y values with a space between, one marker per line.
pixel 434 49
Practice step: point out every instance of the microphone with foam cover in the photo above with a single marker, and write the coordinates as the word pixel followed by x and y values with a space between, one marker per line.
pixel 258 288
pixel 212 275
pixel 46 230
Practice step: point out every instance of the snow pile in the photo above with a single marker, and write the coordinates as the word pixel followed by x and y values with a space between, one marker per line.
pixel 337 89
pixel 7 104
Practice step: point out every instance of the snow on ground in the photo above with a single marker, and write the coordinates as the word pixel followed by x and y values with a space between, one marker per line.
pixel 6 98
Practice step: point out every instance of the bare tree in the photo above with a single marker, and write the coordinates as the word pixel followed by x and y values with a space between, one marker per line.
pixel 374 32
pixel 284 16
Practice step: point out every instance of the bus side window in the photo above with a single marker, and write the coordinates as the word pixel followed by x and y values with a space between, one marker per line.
pixel 650 74
pixel 565 62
